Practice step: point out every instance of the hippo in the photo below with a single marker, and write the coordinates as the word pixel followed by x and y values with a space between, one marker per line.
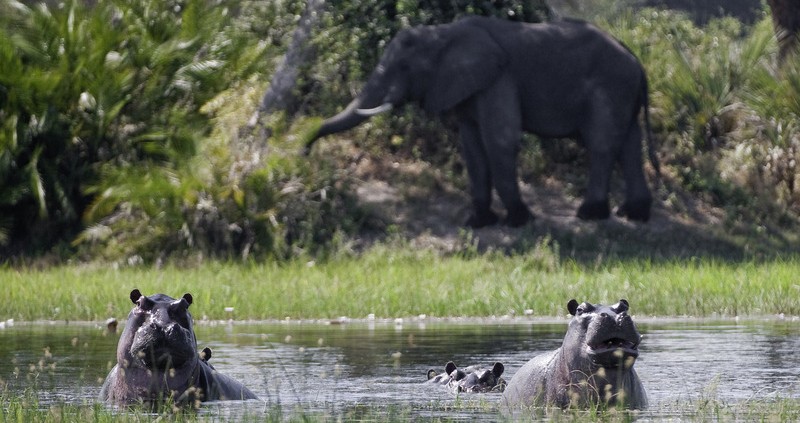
pixel 593 366
pixel 470 379
pixel 157 359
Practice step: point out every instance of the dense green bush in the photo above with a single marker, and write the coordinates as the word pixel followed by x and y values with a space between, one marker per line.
pixel 96 95
pixel 120 122
pixel 101 122
pixel 726 116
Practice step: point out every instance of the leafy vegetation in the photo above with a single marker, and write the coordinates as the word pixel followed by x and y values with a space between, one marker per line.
pixel 120 124
pixel 104 113
pixel 724 111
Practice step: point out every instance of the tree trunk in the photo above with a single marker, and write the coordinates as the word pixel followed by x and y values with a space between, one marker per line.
pixel 786 19
pixel 280 95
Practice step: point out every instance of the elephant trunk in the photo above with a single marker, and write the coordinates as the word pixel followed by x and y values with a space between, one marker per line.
pixel 372 100
pixel 344 120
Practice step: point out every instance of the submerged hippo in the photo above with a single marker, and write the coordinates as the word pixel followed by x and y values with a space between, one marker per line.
pixel 157 358
pixel 594 365
pixel 470 379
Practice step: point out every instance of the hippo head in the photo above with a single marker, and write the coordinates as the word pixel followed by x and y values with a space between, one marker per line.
pixel 482 380
pixel 604 335
pixel 159 334
pixel 451 373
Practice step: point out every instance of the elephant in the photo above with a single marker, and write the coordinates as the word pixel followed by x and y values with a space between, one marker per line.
pixel 556 80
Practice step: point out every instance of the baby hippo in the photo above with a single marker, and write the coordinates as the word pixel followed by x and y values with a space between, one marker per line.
pixel 470 379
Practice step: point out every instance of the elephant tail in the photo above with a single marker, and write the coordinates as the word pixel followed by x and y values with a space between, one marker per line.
pixel 651 149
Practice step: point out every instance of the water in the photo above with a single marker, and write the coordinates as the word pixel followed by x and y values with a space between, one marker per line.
pixel 345 369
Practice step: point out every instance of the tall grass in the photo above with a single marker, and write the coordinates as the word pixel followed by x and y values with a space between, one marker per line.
pixel 391 283
pixel 16 409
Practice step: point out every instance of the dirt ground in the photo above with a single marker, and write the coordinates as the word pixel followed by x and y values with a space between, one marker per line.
pixel 413 202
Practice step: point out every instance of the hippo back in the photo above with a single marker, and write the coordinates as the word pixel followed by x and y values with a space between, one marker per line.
pixel 529 383
pixel 220 387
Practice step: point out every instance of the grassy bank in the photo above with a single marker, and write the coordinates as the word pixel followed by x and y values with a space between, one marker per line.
pixel 400 283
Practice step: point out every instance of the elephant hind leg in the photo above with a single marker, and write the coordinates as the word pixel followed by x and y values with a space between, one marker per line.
pixel 638 199
pixel 595 202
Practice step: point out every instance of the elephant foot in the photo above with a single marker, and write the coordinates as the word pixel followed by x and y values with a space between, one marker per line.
pixel 518 216
pixel 638 210
pixel 594 211
pixel 481 219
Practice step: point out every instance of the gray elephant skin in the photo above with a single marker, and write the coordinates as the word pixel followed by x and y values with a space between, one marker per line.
pixel 470 379
pixel 157 359
pixel 555 80
pixel 593 367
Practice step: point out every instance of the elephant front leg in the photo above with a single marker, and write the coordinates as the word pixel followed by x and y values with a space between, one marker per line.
pixel 479 177
pixel 500 125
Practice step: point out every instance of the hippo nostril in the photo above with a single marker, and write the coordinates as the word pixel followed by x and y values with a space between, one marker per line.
pixel 603 314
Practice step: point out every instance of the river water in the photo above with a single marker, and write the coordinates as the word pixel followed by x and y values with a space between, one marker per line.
pixel 344 370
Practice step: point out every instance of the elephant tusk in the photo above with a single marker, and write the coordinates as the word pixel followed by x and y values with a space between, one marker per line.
pixel 385 107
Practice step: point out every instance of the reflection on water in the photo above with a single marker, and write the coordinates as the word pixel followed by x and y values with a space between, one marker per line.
pixel 344 368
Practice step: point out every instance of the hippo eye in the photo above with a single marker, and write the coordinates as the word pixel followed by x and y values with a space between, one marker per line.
pixel 181 318
pixel 145 303
pixel 178 311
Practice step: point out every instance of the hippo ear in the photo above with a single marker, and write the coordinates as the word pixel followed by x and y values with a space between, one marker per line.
pixel 622 306
pixel 498 369
pixel 431 374
pixel 188 298
pixel 205 355
pixel 450 367
pixel 135 295
pixel 572 306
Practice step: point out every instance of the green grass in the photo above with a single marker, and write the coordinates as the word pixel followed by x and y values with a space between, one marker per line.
pixel 16 409
pixel 401 282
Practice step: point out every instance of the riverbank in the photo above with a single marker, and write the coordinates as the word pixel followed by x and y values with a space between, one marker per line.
pixel 400 283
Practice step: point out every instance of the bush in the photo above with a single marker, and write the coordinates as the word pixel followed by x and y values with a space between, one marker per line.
pixel 727 116
pixel 93 94
pixel 119 122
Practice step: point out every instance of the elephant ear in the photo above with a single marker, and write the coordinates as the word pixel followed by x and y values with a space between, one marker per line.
pixel 470 62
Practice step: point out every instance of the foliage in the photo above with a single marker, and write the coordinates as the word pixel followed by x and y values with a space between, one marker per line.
pixel 119 122
pixel 93 94
pixel 726 115
pixel 102 121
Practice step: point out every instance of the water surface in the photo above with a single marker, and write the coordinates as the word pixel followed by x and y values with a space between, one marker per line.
pixel 344 369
